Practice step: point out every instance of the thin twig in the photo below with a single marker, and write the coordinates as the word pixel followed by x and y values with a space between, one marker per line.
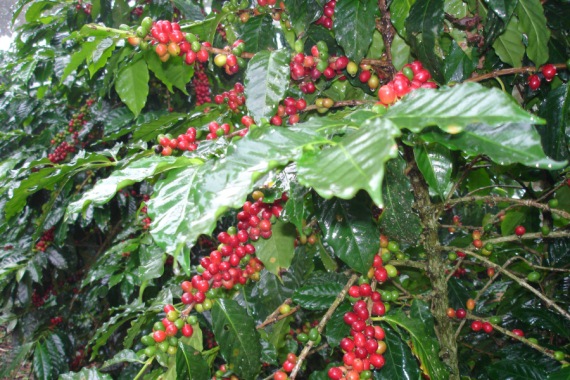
pixel 277 316
pixel 514 70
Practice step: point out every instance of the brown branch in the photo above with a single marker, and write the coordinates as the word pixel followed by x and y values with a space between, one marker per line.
pixel 387 31
pixel 322 324
pixel 514 70
pixel 528 236
pixel 277 316
pixel 518 280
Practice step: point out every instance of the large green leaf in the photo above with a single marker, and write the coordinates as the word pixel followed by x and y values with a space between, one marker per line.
pixel 399 10
pixel 515 370
pixel 277 252
pixel 436 164
pixel 543 319
pixel 349 231
pixel 100 55
pixel 79 57
pixel 505 144
pixel 354 162
pixel 138 171
pixel 266 82
pixel 152 263
pixel 132 85
pixel 509 46
pixel 425 343
pixel 556 110
pixel 85 374
pixel 399 220
pixel 423 27
pixel 199 195
pixel 400 363
pixel 302 13
pixel 172 72
pixel 51 176
pixel 357 24
pixel 562 374
pixel 238 339
pixel 320 291
pixel 258 34
pixel 190 364
pixel 42 362
pixel 453 108
pixel 533 24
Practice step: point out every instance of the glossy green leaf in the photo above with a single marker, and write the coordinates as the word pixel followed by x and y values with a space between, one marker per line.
pixel 533 24
pixel 336 328
pixel 132 85
pixel 172 72
pixel 85 374
pixel 152 263
pixel 516 370
pixel 509 46
pixel 424 341
pixel 200 195
pixel 399 11
pixel 562 374
pixel 278 333
pixel 457 64
pixel 277 252
pixel 258 34
pixel 453 108
pixel 320 291
pixel 302 13
pixel 424 25
pixel 543 319
pixel 79 57
pixel 266 82
pixel 357 23
pixel 556 110
pixel 512 219
pixel 294 211
pixel 239 341
pixel 190 364
pixel 497 19
pixel 42 362
pixel 400 363
pixel 100 55
pixel 122 356
pixel 398 220
pixel 189 9
pixel 436 165
pixel 354 162
pixel 51 176
pixel 505 144
pixel 138 171
pixel 349 231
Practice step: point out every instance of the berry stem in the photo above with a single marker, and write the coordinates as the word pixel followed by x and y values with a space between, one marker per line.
pixel 514 70
pixel 322 324
pixel 277 316
pixel 527 236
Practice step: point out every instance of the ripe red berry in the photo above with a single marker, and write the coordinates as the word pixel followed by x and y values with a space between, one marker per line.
pixel 187 330
pixel 476 325
pixel 534 82
pixel 520 230
pixel 518 332
pixel 487 327
pixel 460 313
pixel 335 373
pixel 159 336
pixel 549 71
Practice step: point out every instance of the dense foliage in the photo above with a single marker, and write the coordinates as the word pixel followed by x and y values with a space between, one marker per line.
pixel 304 189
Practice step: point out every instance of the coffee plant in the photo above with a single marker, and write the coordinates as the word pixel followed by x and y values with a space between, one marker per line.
pixel 323 189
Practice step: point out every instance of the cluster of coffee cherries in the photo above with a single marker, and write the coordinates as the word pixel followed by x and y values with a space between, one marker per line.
pixel 165 333
pixel 54 322
pixel 313 66
pixel 39 299
pixel 548 72
pixel 288 366
pixel 255 217
pixel 45 240
pixel 77 121
pixel 453 256
pixel 326 20
pixel 291 108
pixel 221 374
pixel 62 150
pixel 146 221
pixel 364 349
pixel 84 7
pixel 230 59
pixel 201 86
pixel 234 97
pixel 184 142
pixel 218 130
pixel 412 77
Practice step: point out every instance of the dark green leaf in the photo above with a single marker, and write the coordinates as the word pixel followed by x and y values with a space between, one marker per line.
pixel 320 291
pixel 436 164
pixel 336 328
pixel 277 252
pixel 509 46
pixel 266 82
pixel 189 9
pixel 190 364
pixel 457 65
pixel 515 370
pixel 132 85
pixel 512 219
pixel 543 319
pixel 122 356
pixel 100 55
pixel 79 57
pixel 562 374
pixel 294 211
pixel 302 13
pixel 400 363
pixel 357 23
pixel 349 231
pixel 505 144
pixel 258 34
pixel 453 108
pixel 152 264
pixel 171 72
pixel 354 162
pixel 399 220
pixel 399 11
pixel 424 341
pixel 533 24
pixel 423 27
pixel 238 339
pixel 556 110
pixel 42 362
